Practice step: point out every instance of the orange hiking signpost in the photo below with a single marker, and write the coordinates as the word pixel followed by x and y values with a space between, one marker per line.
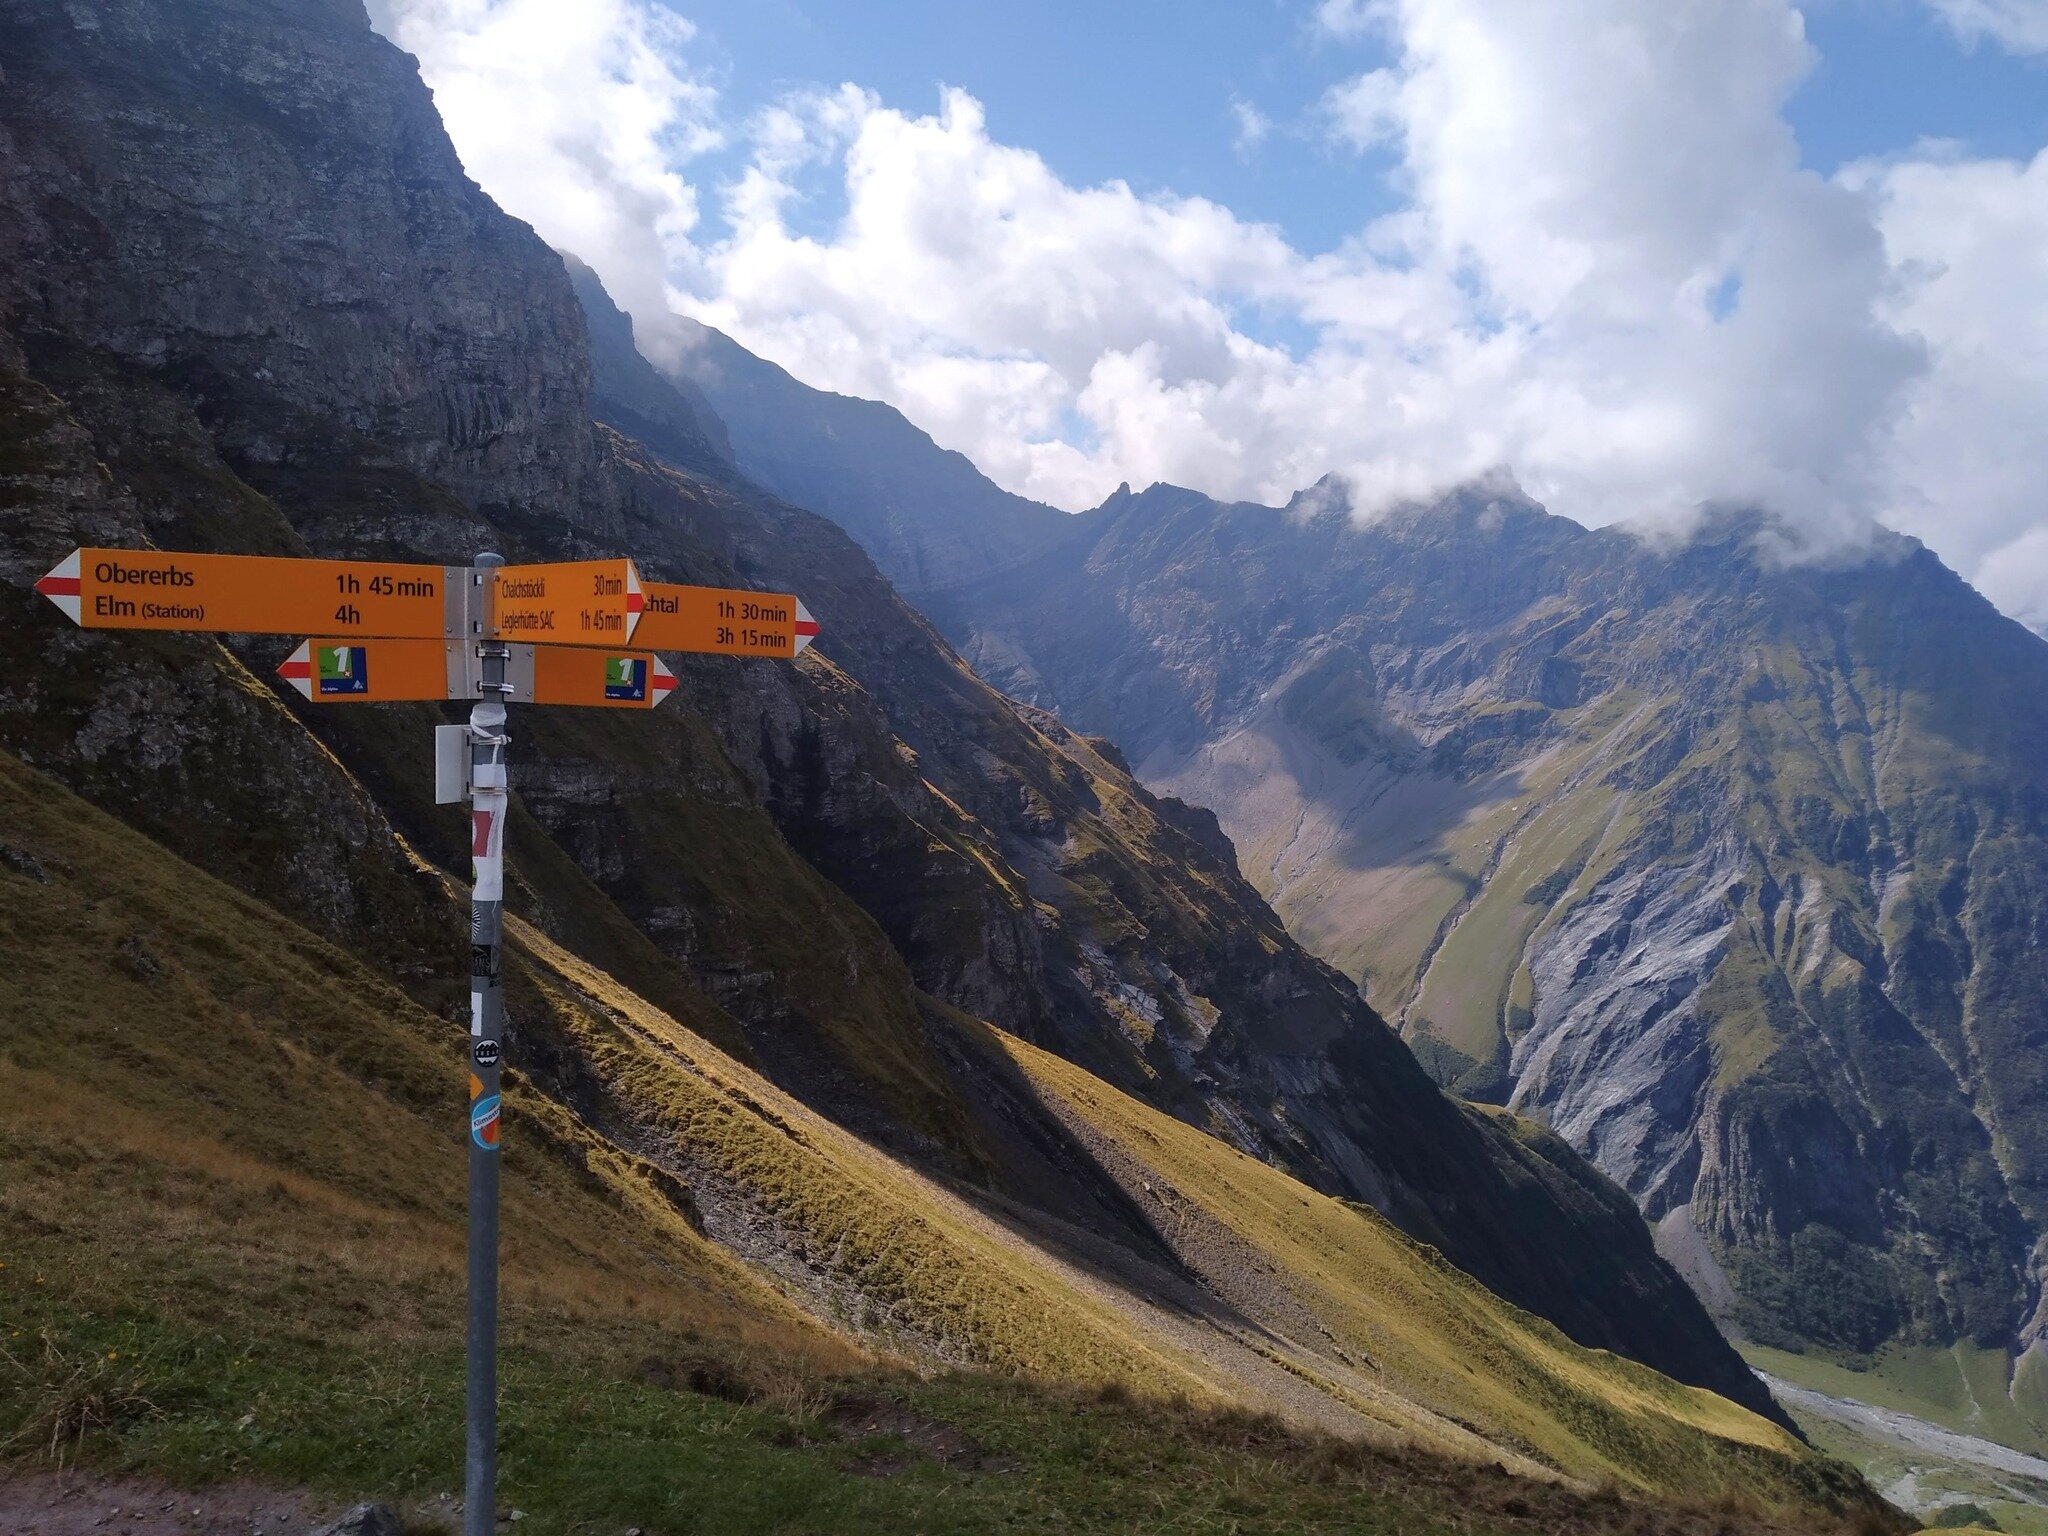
pixel 256 595
pixel 492 633
pixel 607 679
pixel 724 621
pixel 590 602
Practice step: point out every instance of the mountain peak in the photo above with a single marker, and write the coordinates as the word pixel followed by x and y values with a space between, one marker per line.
pixel 1767 539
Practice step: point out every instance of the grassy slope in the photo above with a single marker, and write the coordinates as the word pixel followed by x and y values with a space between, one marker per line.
pixel 1532 856
pixel 1422 1331
pixel 231 1229
pixel 212 1113
pixel 925 1267
pixel 1422 896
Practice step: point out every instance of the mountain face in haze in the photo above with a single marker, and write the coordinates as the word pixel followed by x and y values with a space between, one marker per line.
pixel 1728 870
pixel 926 516
pixel 667 413
pixel 251 302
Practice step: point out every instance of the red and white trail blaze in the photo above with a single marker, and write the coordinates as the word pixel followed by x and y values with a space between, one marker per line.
pixel 61 585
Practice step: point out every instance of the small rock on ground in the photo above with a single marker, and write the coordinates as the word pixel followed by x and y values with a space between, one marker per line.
pixel 364 1520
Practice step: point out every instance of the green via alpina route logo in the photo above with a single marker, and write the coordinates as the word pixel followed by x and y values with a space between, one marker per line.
pixel 625 678
pixel 343 669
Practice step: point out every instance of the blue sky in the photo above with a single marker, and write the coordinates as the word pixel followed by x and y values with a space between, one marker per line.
pixel 1145 90
pixel 1142 91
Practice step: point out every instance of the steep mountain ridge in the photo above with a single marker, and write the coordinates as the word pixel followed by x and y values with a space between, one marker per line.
pixel 788 860
pixel 1720 866
pixel 666 412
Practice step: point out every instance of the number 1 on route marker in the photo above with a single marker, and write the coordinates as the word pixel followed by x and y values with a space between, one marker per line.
pixel 340 671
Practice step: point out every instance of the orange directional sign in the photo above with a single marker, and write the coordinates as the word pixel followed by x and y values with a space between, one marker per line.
pixel 333 671
pixel 541 674
pixel 598 604
pixel 724 621
pixel 254 594
pixel 588 602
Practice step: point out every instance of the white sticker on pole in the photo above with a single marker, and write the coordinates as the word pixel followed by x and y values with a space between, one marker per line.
pixel 487 846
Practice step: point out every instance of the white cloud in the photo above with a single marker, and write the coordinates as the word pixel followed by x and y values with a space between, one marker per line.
pixel 2020 26
pixel 1251 125
pixel 1966 468
pixel 580 119
pixel 1345 19
pixel 1364 112
pixel 2015 577
pixel 1612 273
pixel 969 285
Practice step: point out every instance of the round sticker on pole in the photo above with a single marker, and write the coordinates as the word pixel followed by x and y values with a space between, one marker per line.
pixel 483 1122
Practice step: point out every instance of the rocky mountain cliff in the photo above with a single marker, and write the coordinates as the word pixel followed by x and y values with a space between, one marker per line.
pixel 1725 868
pixel 251 302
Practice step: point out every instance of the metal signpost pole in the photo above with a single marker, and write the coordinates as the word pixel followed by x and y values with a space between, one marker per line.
pixel 411 632
pixel 488 799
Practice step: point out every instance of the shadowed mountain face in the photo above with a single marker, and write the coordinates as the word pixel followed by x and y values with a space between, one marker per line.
pixel 1728 870
pixel 251 302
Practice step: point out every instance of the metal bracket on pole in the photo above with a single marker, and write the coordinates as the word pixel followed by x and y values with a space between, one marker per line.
pixel 451 764
pixel 489 792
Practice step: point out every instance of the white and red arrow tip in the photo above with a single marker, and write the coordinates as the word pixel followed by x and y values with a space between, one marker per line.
pixel 61 586
pixel 297 668
pixel 806 628
pixel 660 682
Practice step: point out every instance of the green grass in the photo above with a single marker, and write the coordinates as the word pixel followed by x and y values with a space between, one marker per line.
pixel 1934 1481
pixel 1964 1388
pixel 586 1447
pixel 1465 992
